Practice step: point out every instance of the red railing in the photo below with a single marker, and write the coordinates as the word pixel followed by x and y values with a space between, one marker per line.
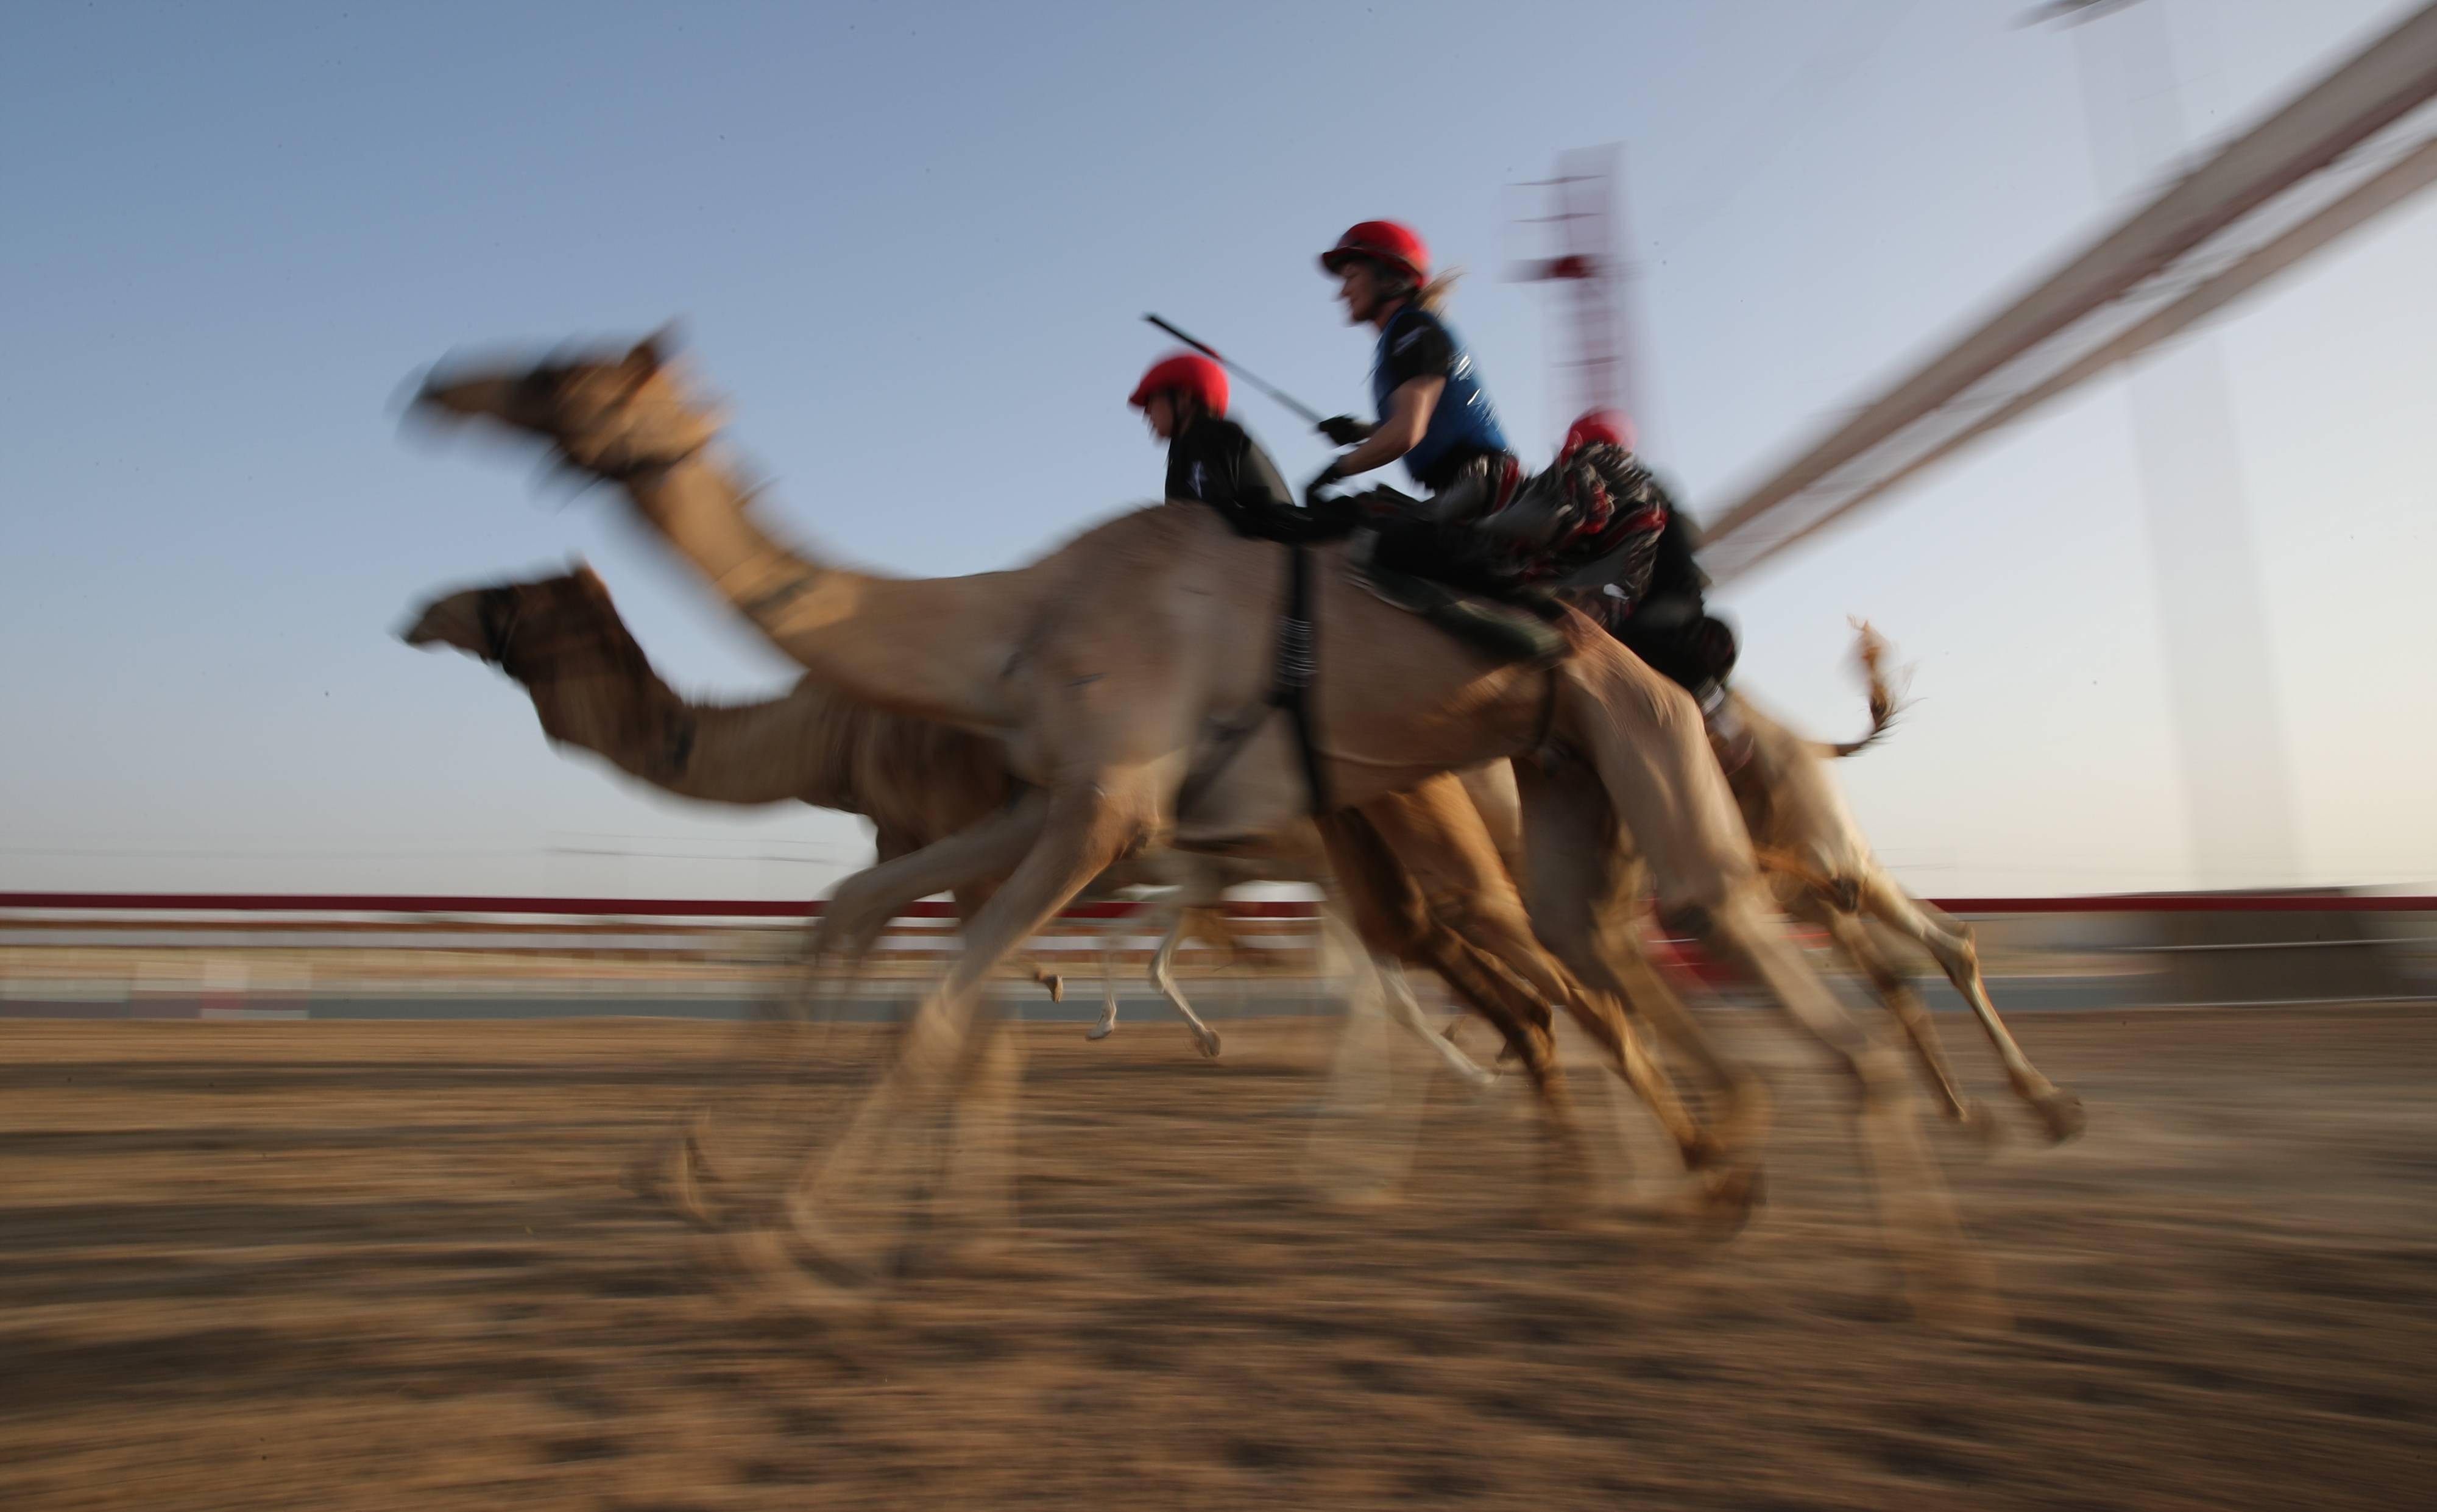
pixel 764 909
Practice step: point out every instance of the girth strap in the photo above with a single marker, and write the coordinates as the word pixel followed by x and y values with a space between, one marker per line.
pixel 1298 661
pixel 1289 688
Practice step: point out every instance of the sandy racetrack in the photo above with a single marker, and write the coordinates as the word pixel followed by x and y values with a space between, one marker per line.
pixel 393 1266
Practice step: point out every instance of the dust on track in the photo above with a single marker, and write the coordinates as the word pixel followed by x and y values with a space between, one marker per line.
pixel 393 1266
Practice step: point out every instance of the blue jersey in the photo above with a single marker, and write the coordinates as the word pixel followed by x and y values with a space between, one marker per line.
pixel 1463 423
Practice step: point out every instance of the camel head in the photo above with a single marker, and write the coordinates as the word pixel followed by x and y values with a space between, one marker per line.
pixel 543 629
pixel 611 414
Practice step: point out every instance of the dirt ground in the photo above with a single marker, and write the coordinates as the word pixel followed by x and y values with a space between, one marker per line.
pixel 394 1266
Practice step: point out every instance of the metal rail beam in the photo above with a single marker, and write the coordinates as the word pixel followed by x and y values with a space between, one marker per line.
pixel 2228 206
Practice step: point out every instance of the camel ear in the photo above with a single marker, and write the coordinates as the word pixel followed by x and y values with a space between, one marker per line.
pixel 652 352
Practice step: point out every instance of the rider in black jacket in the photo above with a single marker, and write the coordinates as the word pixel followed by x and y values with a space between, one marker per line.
pixel 1212 460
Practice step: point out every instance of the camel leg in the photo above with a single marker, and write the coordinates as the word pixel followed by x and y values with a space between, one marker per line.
pixel 1729 1188
pixel 1356 1159
pixel 1361 1053
pixel 1391 916
pixel 863 902
pixel 1854 944
pixel 1484 982
pixel 1082 828
pixel 1362 1073
pixel 1113 931
pixel 1945 1274
pixel 1163 976
pixel 1465 892
pixel 1584 902
pixel 789 1028
pixel 1645 737
pixel 1397 992
pixel 1379 980
pixel 1950 943
pixel 1374 982
pixel 678 1170
pixel 978 1194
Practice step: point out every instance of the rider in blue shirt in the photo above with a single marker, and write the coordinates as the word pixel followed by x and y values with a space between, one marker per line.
pixel 1434 413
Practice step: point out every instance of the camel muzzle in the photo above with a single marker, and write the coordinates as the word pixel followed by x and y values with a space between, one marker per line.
pixel 455 620
pixel 436 399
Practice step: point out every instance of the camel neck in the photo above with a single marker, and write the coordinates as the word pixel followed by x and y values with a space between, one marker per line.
pixel 613 703
pixel 932 648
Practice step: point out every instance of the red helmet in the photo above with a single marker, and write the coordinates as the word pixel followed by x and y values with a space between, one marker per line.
pixel 1612 427
pixel 1195 375
pixel 1386 242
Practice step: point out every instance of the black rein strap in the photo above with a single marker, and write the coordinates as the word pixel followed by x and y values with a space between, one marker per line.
pixel 1298 661
pixel 1289 688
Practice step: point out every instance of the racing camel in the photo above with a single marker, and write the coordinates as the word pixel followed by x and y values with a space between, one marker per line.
pixel 1129 676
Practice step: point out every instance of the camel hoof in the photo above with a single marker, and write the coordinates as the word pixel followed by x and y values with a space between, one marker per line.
pixel 1100 1031
pixel 773 1266
pixel 1477 1078
pixel 1208 1041
pixel 687 1197
pixel 1977 1121
pixel 673 1175
pixel 2062 1112
pixel 697 1160
pixel 1729 1197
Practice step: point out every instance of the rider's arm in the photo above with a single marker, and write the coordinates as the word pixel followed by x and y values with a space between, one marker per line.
pixel 1419 360
pixel 1255 479
pixel 1409 417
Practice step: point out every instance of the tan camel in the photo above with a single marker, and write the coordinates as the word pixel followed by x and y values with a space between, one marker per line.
pixel 1126 668
pixel 594 688
pixel 1823 872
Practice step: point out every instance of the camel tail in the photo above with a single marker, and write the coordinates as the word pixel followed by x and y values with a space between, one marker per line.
pixel 1888 702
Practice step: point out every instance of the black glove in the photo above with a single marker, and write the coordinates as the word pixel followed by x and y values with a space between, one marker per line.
pixel 1345 430
pixel 1315 493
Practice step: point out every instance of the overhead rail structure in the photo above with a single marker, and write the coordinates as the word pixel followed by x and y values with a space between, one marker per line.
pixel 2359 141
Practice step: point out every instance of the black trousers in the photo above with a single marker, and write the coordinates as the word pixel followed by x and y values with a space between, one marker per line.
pixel 1686 645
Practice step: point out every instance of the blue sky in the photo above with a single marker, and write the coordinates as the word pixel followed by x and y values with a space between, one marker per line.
pixel 912 245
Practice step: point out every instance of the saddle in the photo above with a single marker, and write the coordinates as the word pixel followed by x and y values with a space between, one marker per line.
pixel 1510 630
pixel 1513 624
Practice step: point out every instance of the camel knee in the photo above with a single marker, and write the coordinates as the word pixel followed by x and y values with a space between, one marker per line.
pixel 1957 952
pixel 1966 945
pixel 1885 977
pixel 860 906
